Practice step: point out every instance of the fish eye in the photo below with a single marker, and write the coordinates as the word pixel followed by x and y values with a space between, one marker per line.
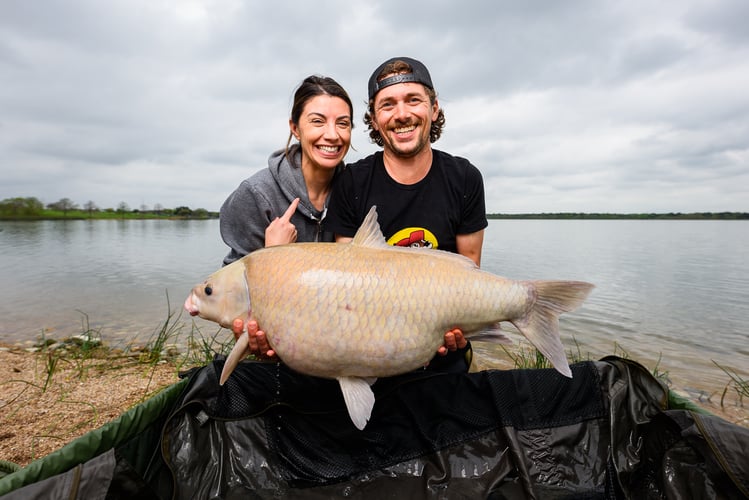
pixel 208 290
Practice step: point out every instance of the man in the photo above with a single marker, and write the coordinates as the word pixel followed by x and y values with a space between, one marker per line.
pixel 413 185
pixel 424 197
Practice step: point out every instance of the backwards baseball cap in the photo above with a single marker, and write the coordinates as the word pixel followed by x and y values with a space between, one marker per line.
pixel 419 74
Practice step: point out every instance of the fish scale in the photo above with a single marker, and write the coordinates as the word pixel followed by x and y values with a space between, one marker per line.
pixel 365 307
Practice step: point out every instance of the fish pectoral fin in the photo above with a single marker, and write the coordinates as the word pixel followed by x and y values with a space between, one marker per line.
pixel 359 399
pixel 492 334
pixel 237 354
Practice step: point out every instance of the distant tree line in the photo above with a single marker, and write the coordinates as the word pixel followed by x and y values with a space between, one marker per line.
pixel 32 208
pixel 65 208
pixel 667 216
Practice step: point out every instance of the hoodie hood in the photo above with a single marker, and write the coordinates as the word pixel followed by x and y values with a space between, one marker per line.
pixel 290 179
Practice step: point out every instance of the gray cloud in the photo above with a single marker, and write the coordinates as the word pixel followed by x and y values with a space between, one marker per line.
pixel 564 106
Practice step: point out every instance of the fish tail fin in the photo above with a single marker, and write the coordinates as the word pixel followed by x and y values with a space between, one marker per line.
pixel 541 325
pixel 238 352
pixel 359 399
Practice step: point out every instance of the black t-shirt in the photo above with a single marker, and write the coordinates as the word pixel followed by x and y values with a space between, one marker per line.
pixel 449 201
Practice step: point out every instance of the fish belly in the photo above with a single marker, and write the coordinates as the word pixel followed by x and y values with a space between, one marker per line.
pixel 336 310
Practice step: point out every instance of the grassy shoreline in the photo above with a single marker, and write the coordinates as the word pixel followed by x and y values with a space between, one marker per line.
pixel 57 390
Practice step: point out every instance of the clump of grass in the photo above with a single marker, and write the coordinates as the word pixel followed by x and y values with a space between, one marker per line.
pixel 89 341
pixel 577 355
pixel 51 359
pixel 85 346
pixel 660 375
pixel 155 349
pixel 526 356
pixel 740 385
pixel 77 349
pixel 201 349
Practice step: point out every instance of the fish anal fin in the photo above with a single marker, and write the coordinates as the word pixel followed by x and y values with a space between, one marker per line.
pixel 493 334
pixel 359 399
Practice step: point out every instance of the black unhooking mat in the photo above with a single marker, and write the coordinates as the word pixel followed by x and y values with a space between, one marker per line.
pixel 272 433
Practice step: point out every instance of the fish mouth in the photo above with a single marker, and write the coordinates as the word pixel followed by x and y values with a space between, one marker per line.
pixel 191 305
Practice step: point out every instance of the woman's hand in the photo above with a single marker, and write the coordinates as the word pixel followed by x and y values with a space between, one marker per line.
pixel 281 231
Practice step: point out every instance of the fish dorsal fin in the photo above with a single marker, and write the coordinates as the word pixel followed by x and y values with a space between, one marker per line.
pixel 359 399
pixel 369 233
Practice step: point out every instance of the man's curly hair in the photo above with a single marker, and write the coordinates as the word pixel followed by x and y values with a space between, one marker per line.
pixel 397 68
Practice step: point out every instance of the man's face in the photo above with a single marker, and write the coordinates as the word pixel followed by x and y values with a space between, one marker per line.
pixel 403 116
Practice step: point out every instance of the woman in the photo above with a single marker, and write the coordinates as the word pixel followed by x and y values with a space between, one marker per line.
pixel 287 201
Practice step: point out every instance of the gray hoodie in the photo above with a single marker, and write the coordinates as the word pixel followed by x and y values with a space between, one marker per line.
pixel 266 195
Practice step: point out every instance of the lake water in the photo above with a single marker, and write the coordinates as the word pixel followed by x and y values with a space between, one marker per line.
pixel 676 289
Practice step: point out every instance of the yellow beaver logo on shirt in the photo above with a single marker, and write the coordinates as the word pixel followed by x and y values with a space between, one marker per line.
pixel 414 237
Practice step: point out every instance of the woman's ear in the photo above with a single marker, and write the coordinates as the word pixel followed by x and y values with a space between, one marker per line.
pixel 294 129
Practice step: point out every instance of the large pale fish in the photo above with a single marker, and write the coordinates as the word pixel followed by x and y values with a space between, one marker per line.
pixel 360 310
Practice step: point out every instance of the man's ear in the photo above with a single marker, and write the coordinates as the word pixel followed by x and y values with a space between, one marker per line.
pixel 373 122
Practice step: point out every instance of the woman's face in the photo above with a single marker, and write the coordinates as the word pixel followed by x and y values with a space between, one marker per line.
pixel 324 131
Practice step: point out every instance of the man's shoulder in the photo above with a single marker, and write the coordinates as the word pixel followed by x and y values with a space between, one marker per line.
pixel 456 165
pixel 366 162
pixel 450 159
pixel 363 169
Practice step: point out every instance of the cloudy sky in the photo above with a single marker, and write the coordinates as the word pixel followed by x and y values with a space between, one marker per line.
pixel 564 105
